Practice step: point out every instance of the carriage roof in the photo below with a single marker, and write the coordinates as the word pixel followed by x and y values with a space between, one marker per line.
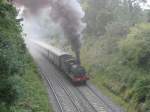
pixel 52 49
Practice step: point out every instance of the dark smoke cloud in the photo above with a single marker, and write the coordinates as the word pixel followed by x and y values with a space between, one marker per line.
pixel 68 13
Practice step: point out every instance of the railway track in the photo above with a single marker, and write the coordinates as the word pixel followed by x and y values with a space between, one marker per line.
pixel 67 98
pixel 100 98
pixel 78 102
pixel 74 98
pixel 95 102
pixel 61 104
pixel 90 101
pixel 95 106
pixel 95 110
pixel 50 84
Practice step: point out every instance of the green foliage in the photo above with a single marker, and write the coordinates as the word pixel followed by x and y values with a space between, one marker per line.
pixel 100 13
pixel 142 89
pixel 135 49
pixel 35 97
pixel 122 63
pixel 20 87
pixel 97 15
pixel 2 1
pixel 10 90
pixel 21 90
pixel 12 55
pixel 118 43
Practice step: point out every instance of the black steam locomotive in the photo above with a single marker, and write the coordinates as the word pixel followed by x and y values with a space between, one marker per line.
pixel 65 62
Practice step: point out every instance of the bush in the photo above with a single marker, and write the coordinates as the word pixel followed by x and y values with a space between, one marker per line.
pixel 10 89
pixel 12 55
pixel 142 90
pixel 135 49
pixel 125 64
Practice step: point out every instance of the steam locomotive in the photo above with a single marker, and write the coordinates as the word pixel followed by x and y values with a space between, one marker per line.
pixel 65 62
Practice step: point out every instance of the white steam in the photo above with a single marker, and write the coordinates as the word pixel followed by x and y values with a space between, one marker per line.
pixel 67 13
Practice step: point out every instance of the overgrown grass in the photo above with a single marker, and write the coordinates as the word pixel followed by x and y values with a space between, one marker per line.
pixel 100 79
pixel 35 96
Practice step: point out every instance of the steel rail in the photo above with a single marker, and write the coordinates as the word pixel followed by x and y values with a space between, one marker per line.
pixel 87 100
pixel 101 99
pixel 50 83
pixel 67 91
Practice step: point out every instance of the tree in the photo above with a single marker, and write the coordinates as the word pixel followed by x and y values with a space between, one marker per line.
pixel 136 47
pixel 98 15
pixel 12 55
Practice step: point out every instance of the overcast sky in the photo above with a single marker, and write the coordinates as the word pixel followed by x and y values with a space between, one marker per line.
pixel 147 6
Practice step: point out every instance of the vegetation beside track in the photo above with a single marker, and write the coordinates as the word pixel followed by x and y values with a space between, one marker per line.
pixel 35 98
pixel 21 89
pixel 116 51
pixel 125 72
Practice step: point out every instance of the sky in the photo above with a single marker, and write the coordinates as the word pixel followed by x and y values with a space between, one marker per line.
pixel 146 6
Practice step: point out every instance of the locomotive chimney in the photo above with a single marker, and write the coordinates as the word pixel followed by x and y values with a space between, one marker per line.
pixel 78 57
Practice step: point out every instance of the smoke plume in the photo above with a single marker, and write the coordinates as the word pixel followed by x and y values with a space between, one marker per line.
pixel 68 13
pixel 33 6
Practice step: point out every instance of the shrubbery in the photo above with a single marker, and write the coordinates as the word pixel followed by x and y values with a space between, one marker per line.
pixel 135 49
pixel 12 56
pixel 117 39
pixel 135 53
pixel 125 70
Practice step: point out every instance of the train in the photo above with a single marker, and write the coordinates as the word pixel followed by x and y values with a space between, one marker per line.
pixel 65 62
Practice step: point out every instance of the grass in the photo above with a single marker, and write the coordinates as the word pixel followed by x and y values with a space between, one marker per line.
pixel 98 79
pixel 35 97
